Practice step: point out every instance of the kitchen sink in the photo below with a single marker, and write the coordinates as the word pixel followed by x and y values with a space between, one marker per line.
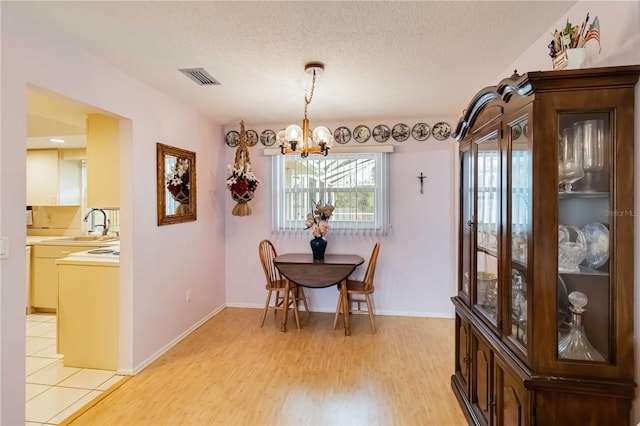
pixel 102 251
pixel 98 238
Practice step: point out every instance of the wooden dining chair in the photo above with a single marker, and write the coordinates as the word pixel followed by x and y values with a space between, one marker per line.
pixel 276 282
pixel 359 292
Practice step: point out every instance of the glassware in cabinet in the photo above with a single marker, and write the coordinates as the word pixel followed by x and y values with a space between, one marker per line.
pixel 488 214
pixel 583 237
pixel 519 214
pixel 466 218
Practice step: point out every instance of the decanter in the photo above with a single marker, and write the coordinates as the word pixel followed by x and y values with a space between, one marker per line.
pixel 518 300
pixel 575 344
pixel 518 306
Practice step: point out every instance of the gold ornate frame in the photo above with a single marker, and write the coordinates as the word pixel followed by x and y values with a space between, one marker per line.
pixel 176 184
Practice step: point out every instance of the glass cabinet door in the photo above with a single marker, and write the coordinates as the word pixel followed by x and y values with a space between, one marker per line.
pixel 466 217
pixel 584 208
pixel 520 219
pixel 488 215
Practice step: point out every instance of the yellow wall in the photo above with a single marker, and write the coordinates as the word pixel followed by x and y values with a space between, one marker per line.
pixel 58 218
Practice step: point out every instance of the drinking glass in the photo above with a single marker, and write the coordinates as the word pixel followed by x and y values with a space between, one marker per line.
pixel 570 159
pixel 591 134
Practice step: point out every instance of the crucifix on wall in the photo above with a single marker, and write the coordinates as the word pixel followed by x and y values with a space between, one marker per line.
pixel 422 177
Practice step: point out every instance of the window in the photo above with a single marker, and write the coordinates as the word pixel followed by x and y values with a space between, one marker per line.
pixel 355 184
pixel 488 189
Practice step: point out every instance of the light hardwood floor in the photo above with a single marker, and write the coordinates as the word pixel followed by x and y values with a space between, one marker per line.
pixel 232 372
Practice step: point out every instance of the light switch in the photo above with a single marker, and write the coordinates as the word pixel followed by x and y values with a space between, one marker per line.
pixel 4 247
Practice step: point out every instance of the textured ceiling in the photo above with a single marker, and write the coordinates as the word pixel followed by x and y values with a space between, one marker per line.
pixel 383 60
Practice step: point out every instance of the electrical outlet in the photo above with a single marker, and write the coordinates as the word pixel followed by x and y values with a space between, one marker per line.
pixel 4 248
pixel 187 296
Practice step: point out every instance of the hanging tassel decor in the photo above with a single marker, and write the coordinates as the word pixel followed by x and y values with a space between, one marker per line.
pixel 242 183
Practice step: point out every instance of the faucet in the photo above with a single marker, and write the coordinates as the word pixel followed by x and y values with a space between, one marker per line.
pixel 105 225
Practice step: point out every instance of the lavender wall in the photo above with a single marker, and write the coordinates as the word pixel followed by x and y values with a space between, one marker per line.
pixel 415 273
pixel 416 270
pixel 158 264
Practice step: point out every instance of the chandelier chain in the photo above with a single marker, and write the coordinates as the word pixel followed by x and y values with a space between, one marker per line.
pixel 307 101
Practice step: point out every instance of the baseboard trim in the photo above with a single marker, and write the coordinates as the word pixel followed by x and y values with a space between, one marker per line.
pixel 175 341
pixel 377 312
pixel 246 305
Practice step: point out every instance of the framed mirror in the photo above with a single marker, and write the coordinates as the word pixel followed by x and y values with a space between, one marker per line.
pixel 176 184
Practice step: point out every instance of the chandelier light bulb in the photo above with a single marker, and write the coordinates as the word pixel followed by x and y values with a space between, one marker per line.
pixel 293 133
pixel 321 135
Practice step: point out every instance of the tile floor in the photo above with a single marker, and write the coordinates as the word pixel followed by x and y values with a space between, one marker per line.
pixel 53 391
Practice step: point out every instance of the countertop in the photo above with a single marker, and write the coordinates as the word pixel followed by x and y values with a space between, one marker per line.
pixel 34 239
pixel 68 240
pixel 87 258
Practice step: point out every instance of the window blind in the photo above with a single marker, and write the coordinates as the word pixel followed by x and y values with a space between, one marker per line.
pixel 356 184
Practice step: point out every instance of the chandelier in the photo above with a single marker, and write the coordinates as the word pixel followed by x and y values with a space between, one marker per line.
pixel 296 139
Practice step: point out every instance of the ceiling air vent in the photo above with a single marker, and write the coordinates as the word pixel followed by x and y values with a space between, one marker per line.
pixel 200 76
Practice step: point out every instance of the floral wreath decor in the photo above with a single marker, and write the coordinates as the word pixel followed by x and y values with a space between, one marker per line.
pixel 178 181
pixel 242 183
pixel 178 185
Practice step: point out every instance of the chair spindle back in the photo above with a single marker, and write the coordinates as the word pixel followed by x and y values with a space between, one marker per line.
pixel 371 268
pixel 267 255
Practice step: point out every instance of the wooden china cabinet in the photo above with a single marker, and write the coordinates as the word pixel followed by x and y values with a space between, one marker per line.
pixel 544 309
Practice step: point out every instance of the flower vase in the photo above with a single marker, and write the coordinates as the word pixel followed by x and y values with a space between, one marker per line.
pixel 575 57
pixel 318 246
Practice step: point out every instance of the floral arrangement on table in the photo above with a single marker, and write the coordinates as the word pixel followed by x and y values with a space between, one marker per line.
pixel 572 37
pixel 318 221
pixel 178 183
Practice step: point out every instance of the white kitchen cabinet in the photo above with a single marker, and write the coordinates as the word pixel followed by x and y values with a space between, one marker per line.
pixel 103 159
pixel 51 180
pixel 88 304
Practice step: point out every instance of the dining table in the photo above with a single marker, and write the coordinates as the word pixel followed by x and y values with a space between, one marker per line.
pixel 304 270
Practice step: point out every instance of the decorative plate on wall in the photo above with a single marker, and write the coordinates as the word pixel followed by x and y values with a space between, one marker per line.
pixel 268 138
pixel 400 132
pixel 441 131
pixel 421 131
pixel 516 132
pixel 361 134
pixel 252 137
pixel 232 138
pixel 342 135
pixel 381 133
